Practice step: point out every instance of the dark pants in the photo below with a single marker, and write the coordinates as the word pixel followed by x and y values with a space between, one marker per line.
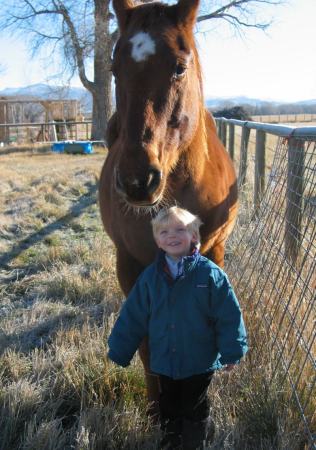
pixel 184 410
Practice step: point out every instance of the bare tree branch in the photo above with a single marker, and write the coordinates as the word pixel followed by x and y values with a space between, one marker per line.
pixel 84 32
pixel 75 43
pixel 232 10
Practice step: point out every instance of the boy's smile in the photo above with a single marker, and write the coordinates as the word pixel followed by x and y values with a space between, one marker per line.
pixel 175 239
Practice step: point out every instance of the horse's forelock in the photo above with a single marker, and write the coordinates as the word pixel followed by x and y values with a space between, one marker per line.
pixel 183 13
pixel 146 16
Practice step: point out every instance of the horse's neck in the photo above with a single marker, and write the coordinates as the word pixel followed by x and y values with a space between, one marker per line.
pixel 197 151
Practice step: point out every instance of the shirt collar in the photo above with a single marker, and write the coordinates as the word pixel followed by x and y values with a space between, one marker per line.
pixel 175 267
pixel 187 262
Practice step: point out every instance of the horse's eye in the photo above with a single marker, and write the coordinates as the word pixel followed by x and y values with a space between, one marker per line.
pixel 179 71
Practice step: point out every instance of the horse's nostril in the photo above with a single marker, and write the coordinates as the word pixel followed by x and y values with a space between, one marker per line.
pixel 138 188
pixel 153 180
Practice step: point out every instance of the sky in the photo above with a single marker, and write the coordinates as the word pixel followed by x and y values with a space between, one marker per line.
pixel 279 64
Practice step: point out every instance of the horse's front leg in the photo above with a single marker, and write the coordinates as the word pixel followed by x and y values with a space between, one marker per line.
pixel 216 254
pixel 128 270
pixel 152 380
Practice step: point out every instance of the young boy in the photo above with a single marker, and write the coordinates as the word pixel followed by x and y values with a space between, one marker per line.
pixel 186 306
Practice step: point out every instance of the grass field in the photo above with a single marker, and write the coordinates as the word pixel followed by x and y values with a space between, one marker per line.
pixel 58 299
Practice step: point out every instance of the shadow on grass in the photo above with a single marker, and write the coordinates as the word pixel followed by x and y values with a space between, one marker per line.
pixel 77 209
pixel 37 336
pixel 41 334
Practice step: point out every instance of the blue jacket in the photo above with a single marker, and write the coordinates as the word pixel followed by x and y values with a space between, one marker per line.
pixel 194 324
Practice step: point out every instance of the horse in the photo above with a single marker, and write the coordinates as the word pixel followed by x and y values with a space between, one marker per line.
pixel 163 147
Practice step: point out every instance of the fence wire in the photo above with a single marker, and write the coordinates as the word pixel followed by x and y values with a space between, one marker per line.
pixel 273 270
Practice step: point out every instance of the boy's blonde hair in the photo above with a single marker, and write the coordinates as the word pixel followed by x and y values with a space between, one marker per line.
pixel 166 216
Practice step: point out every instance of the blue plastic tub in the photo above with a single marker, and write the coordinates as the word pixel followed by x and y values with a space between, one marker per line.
pixel 84 147
pixel 58 147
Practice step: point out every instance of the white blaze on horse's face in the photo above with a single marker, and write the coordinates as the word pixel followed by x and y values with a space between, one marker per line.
pixel 142 46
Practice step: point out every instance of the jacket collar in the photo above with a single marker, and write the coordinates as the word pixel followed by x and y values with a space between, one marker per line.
pixel 189 262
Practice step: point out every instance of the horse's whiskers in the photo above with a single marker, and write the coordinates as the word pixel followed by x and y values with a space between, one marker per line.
pixel 165 201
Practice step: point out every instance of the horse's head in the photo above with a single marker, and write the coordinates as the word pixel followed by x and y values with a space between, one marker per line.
pixel 158 95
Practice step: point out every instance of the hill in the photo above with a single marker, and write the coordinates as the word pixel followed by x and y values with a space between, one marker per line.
pixel 256 106
pixel 252 105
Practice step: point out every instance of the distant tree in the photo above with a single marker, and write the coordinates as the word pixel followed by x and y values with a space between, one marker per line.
pixel 83 33
pixel 235 112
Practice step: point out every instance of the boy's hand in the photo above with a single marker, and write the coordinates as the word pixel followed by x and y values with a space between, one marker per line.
pixel 229 367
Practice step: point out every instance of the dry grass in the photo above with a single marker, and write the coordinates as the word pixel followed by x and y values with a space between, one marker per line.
pixel 58 299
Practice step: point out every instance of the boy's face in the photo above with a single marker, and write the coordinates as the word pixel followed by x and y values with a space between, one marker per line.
pixel 175 239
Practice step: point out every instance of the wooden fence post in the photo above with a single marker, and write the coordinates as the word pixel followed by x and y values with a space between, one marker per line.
pixel 243 155
pixel 260 162
pixel 231 142
pixel 224 133
pixel 52 131
pixel 220 130
pixel 87 131
pixel 218 126
pixel 294 198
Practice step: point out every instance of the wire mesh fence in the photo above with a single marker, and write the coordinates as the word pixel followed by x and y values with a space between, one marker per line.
pixel 273 269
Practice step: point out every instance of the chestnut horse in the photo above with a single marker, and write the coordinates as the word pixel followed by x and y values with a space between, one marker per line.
pixel 163 146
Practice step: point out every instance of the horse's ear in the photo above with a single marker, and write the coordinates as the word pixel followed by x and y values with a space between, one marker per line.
pixel 187 11
pixel 121 8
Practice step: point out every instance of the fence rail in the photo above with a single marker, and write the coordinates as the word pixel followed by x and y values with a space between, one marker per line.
pixel 45 131
pixel 285 118
pixel 274 265
pixel 293 135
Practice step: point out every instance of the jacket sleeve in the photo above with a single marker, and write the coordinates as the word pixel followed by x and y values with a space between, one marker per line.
pixel 230 330
pixel 131 326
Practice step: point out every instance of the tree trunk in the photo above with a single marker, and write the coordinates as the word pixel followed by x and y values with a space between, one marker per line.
pixel 101 87
pixel 102 109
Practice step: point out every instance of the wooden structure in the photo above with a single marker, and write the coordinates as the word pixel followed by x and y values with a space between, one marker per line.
pixel 57 113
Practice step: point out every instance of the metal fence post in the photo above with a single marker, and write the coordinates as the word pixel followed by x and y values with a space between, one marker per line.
pixel 294 198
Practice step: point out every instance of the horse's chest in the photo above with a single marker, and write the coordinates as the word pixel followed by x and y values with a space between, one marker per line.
pixel 136 237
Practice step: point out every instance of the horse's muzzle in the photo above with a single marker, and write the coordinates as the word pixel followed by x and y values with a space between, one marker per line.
pixel 139 190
